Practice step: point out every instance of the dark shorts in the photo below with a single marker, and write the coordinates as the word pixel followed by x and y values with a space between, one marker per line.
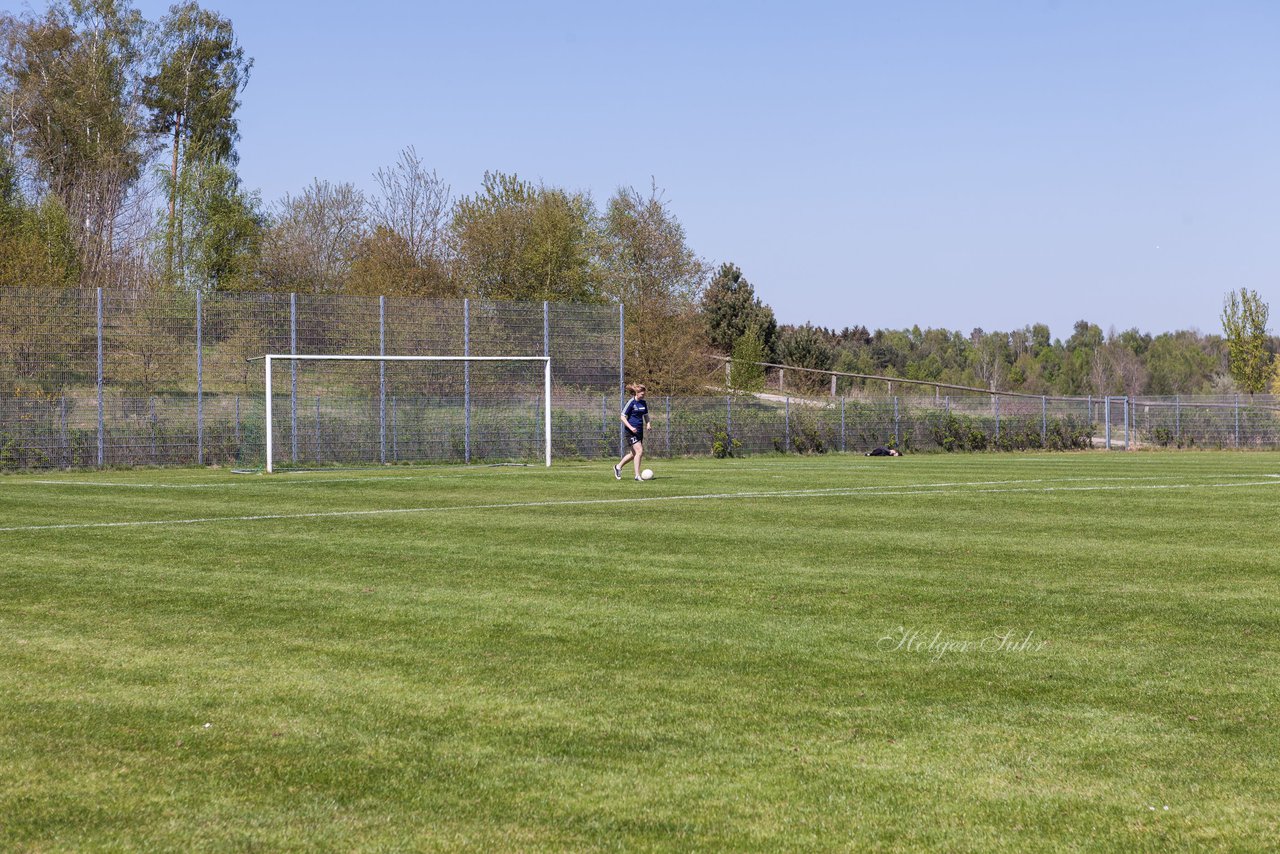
pixel 635 438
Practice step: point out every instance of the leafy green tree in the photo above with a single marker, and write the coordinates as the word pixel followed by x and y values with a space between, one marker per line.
pixel 218 245
pixel 730 307
pixel 806 347
pixel 889 352
pixel 71 79
pixel 36 245
pixel 1244 323
pixel 1182 362
pixel 746 373
pixel 1077 362
pixel 1085 336
pixel 517 240
pixel 193 98
pixel 1039 338
pixel 1135 341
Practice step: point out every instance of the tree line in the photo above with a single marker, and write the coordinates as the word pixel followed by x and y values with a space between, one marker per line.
pixel 1089 362
pixel 118 169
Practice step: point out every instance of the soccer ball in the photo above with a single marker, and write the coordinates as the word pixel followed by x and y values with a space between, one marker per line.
pixel 647 474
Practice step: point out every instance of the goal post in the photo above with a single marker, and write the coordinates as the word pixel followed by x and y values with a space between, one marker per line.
pixel 269 358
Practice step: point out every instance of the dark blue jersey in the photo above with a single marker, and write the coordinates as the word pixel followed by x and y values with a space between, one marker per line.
pixel 636 411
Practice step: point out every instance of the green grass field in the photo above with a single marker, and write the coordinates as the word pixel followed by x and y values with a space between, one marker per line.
pixel 963 653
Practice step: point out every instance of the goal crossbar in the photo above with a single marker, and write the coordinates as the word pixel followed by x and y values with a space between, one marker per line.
pixel 268 358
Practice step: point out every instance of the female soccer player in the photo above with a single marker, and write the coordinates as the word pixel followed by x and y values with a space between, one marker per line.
pixel 635 417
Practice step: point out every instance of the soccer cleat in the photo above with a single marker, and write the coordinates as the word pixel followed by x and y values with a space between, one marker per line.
pixel 639 480
pixel 617 473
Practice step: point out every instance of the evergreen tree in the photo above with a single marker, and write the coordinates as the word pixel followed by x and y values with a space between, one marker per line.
pixel 730 307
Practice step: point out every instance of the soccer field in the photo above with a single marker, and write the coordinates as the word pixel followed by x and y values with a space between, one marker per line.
pixel 963 653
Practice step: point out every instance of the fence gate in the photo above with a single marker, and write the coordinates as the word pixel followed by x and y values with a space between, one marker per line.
pixel 1117 419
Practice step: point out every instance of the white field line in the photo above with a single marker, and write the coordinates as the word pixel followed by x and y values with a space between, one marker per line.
pixel 718 496
pixel 283 479
pixel 273 480
pixel 235 483
pixel 294 480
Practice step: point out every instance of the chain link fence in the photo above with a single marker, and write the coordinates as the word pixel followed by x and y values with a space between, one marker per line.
pixel 743 425
pixel 96 378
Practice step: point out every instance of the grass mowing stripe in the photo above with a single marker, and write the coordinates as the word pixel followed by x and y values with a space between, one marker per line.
pixel 835 492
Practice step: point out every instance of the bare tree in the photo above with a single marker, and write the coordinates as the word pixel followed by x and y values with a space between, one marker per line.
pixel 1117 369
pixel 414 204
pixel 990 358
pixel 658 278
pixel 314 237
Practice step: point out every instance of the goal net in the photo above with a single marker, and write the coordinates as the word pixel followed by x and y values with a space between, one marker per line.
pixel 352 409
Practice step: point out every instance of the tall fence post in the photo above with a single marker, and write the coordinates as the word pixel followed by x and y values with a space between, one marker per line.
pixel 546 351
pixel 293 377
pixel 155 428
pixel 466 381
pixel 622 373
pixel 1177 419
pixel 948 399
pixel 62 429
pixel 239 433
pixel 997 407
pixel 199 380
pixel 102 426
pixel 1044 421
pixel 1127 424
pixel 382 380
pixel 897 424
pixel 1106 417
pixel 787 445
pixel 604 420
pixel 833 385
pixel 1237 407
pixel 728 421
pixel 317 451
pixel 843 447
pixel 668 425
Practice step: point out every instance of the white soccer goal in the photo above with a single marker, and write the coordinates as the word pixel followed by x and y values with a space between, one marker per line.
pixel 466 361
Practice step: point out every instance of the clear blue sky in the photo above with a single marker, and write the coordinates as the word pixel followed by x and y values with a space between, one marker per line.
pixel 953 164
